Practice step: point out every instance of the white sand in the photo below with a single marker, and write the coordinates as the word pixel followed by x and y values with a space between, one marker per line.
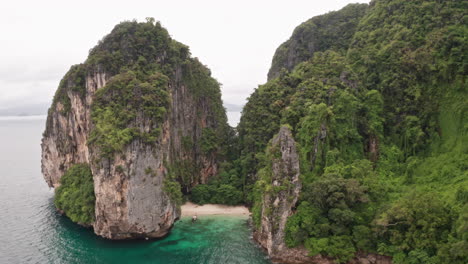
pixel 190 209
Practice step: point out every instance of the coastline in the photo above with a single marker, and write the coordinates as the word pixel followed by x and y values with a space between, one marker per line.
pixel 21 118
pixel 190 209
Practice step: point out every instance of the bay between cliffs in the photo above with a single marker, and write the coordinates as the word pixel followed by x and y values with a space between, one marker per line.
pixel 31 230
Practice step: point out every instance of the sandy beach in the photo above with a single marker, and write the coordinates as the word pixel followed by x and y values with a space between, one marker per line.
pixel 190 209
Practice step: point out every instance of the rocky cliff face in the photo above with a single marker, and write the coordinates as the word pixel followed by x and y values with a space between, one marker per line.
pixel 64 141
pixel 281 194
pixel 136 112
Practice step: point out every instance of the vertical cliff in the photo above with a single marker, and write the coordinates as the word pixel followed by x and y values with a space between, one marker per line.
pixel 137 112
pixel 64 141
pixel 280 190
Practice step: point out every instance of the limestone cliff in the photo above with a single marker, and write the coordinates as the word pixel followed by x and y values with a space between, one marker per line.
pixel 64 141
pixel 282 187
pixel 136 111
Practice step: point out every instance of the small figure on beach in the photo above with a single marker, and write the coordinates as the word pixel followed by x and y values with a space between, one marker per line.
pixel 194 218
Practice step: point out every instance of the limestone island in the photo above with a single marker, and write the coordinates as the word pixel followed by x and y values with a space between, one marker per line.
pixel 354 151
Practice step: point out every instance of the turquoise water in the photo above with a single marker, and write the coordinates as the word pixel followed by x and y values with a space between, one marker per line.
pixel 31 231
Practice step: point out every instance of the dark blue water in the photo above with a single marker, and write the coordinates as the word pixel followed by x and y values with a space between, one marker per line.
pixel 31 231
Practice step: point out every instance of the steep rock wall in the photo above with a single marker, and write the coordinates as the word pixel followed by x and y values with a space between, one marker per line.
pixel 130 197
pixel 64 141
pixel 279 200
pixel 134 184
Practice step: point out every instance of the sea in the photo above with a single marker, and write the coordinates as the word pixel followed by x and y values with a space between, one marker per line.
pixel 31 230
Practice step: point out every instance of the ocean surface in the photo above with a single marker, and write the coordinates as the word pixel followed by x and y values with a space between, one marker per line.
pixel 31 231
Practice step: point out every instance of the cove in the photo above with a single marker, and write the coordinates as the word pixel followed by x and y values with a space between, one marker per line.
pixel 32 231
pixel 212 239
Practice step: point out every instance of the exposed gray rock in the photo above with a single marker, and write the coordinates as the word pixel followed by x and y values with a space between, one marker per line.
pixel 64 142
pixel 130 197
pixel 277 206
pixel 129 185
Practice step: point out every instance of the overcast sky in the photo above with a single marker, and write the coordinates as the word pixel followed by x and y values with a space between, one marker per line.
pixel 40 40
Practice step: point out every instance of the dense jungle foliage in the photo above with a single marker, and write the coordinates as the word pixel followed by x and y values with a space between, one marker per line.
pixel 333 30
pixel 224 188
pixel 381 126
pixel 75 195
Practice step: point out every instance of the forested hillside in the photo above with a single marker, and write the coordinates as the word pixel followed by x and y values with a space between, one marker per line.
pixel 380 119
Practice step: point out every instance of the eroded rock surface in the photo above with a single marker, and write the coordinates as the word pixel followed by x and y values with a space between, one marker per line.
pixel 132 200
pixel 277 205
pixel 64 142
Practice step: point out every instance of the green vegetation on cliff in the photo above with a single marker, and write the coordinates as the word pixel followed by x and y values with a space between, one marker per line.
pixel 141 62
pixel 332 31
pixel 74 81
pixel 381 126
pixel 142 58
pixel 75 195
pixel 120 106
pixel 144 92
pixel 173 189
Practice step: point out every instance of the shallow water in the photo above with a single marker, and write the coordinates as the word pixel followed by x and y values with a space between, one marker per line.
pixel 31 231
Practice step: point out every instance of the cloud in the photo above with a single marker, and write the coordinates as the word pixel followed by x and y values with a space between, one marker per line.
pixel 14 94
pixel 235 39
